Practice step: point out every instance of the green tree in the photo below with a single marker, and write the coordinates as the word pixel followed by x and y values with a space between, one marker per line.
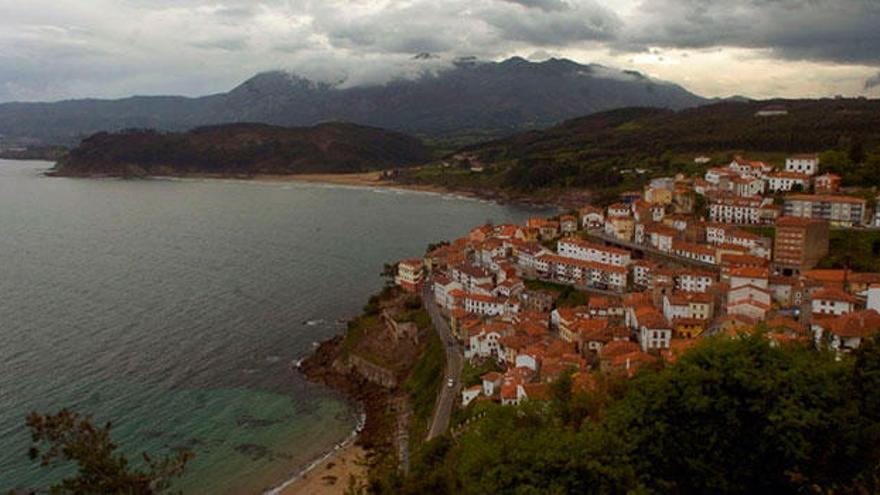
pixel 68 437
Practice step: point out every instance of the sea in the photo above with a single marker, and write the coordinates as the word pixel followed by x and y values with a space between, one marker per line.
pixel 175 309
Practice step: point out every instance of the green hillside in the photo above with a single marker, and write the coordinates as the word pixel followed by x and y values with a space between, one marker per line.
pixel 620 149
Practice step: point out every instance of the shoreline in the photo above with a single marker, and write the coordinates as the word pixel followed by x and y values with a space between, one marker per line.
pixel 355 179
pixel 340 462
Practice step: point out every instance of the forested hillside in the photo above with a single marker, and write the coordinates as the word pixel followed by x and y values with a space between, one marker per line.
pixel 243 149
pixel 734 416
pixel 604 151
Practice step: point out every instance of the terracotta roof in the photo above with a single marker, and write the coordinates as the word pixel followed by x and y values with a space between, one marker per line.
pixel 784 322
pixel 749 272
pixel 618 347
pixel 677 347
pixel 536 391
pixel 653 319
pixel 492 376
pixel 693 248
pixel 836 276
pixel 743 259
pixel 858 324
pixel 833 294
pixel 788 175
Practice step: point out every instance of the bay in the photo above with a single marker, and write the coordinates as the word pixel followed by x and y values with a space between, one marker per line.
pixel 174 308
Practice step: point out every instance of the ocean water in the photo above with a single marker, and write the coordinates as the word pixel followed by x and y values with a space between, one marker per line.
pixel 174 309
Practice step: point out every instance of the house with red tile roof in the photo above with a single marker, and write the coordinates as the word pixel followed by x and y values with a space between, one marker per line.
pixel 410 274
pixel 654 331
pixel 749 300
pixel 748 275
pixel 832 301
pixel 827 183
pixel 846 333
pixel 568 224
pixel 591 217
pixel 697 252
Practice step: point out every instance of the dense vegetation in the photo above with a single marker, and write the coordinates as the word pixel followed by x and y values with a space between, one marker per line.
pixel 734 416
pixel 423 386
pixel 620 149
pixel 243 149
pixel 857 250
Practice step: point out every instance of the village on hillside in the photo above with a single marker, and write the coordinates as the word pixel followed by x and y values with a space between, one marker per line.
pixel 640 281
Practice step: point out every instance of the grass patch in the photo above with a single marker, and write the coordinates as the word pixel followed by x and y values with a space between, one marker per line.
pixel 419 316
pixel 471 374
pixel 356 329
pixel 566 295
pixel 423 386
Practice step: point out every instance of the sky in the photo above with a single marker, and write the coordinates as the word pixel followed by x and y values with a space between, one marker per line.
pixel 60 49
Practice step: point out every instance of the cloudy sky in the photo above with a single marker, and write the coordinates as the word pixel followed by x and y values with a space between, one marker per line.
pixel 56 49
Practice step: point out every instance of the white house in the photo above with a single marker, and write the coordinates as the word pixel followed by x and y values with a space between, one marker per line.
pixel 654 331
pixel 571 247
pixel 443 288
pixel 693 281
pixel 469 394
pixel 785 181
pixel 803 164
pixel 832 301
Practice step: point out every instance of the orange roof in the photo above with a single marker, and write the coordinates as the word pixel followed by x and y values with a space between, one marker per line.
pixel 749 272
pixel 836 276
pixel 864 278
pixel 858 324
pixel 633 359
pixel 537 391
pixel 653 320
pixel 693 248
pixel 492 376
pixel 833 294
pixel 677 347
pixel 786 323
pixel 743 259
pixel 633 299
pixel 619 347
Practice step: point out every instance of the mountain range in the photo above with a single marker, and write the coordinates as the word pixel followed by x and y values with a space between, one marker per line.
pixel 471 98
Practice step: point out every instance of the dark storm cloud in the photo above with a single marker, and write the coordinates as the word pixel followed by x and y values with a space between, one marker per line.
pixel 50 50
pixel 587 21
pixel 838 31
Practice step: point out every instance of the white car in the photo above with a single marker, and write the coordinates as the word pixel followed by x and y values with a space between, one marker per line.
pixel 450 382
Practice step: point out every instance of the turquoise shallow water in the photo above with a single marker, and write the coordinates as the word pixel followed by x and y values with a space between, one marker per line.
pixel 174 309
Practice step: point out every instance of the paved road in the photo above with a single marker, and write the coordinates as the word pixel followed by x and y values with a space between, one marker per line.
pixel 454 365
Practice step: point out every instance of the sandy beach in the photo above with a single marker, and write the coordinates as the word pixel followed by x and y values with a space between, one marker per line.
pixel 331 476
pixel 362 179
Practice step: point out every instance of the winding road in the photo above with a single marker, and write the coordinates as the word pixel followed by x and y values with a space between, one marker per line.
pixel 454 365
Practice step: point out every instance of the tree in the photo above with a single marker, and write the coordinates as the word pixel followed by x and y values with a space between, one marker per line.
pixel 389 271
pixel 68 436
